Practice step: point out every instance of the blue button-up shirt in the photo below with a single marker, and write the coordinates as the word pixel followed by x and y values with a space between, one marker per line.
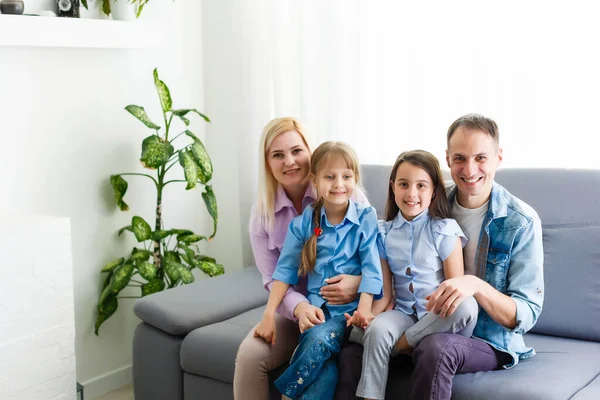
pixel 348 248
pixel 415 251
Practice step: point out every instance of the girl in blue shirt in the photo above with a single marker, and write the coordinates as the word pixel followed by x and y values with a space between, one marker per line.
pixel 333 236
pixel 421 246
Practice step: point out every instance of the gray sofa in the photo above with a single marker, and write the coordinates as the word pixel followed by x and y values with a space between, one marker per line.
pixel 186 345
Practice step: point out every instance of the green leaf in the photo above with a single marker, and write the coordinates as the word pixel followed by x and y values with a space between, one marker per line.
pixel 206 258
pixel 155 152
pixel 160 235
pixel 112 265
pixel 141 115
pixel 183 112
pixel 107 279
pixel 119 186
pixel 105 311
pixel 153 286
pixel 190 238
pixel 121 277
pixel 139 254
pixel 189 256
pixel 163 92
pixel 84 3
pixel 210 268
pixel 140 228
pixel 125 228
pixel 106 293
pixel 186 275
pixel 147 270
pixel 173 270
pixel 211 205
pixel 179 231
pixel 190 169
pixel 202 158
pixel 106 7
pixel 171 257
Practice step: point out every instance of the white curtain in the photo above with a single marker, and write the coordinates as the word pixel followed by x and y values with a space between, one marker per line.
pixel 389 76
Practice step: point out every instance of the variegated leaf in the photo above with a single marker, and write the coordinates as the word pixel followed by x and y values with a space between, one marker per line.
pixel 155 152
pixel 121 277
pixel 112 265
pixel 183 112
pixel 190 169
pixel 141 115
pixel 202 158
pixel 171 257
pixel 186 275
pixel 140 254
pixel 147 270
pixel 163 93
pixel 210 268
pixel 108 308
pixel 123 229
pixel 153 286
pixel 141 229
pixel 211 205
pixel 119 186
pixel 160 235
pixel 172 270
pixel 190 238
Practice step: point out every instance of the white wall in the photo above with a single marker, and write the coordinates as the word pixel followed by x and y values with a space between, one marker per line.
pixel 64 132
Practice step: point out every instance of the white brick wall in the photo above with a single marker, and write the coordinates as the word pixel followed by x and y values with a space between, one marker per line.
pixel 37 324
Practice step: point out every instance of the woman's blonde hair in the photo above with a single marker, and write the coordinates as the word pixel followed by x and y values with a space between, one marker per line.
pixel 321 158
pixel 267 184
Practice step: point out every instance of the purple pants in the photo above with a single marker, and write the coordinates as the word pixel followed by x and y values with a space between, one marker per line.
pixel 436 360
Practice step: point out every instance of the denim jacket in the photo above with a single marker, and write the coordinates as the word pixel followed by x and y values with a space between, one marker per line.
pixel 510 258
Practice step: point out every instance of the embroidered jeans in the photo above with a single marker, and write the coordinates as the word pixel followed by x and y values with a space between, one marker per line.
pixel 313 371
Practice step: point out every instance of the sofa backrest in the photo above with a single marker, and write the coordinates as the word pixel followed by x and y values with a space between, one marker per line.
pixel 568 203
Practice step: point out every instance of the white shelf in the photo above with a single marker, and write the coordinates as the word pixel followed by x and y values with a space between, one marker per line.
pixel 34 31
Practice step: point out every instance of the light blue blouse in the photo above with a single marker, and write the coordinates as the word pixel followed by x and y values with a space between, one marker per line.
pixel 347 248
pixel 415 251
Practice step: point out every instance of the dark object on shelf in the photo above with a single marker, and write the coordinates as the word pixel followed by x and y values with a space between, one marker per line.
pixel 15 7
pixel 79 391
pixel 67 8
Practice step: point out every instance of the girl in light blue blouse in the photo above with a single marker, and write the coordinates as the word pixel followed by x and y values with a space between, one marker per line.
pixel 421 246
pixel 333 236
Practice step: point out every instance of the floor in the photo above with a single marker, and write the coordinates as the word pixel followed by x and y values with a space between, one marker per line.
pixel 123 393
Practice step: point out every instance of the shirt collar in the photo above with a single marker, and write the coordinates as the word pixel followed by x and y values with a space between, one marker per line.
pixel 351 215
pixel 497 203
pixel 400 220
pixel 283 201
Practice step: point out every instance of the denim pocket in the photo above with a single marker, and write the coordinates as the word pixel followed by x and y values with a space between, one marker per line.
pixel 497 268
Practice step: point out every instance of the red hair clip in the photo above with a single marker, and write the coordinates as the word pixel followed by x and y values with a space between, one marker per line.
pixel 318 232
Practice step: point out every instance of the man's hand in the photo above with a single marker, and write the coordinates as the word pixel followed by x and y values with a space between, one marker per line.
pixel 448 296
pixel 266 329
pixel 362 320
pixel 341 289
pixel 308 316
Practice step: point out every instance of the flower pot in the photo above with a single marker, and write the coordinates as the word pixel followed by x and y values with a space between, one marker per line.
pixel 122 10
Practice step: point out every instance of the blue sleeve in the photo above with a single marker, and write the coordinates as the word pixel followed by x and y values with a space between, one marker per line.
pixel 382 233
pixel 372 279
pixel 291 254
pixel 444 233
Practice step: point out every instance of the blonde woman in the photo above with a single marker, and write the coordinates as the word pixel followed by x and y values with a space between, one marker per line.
pixel 285 189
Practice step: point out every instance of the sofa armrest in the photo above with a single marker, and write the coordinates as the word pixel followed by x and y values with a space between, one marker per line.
pixel 180 310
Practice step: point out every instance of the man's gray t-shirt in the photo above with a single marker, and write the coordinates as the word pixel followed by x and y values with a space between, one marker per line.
pixel 470 221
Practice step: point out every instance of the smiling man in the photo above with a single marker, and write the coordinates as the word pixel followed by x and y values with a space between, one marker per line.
pixel 503 271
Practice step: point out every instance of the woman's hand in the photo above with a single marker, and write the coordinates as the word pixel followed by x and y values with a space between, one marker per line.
pixel 308 316
pixel 362 320
pixel 266 329
pixel 341 289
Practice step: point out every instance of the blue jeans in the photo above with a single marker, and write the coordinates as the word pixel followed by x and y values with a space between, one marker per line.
pixel 313 371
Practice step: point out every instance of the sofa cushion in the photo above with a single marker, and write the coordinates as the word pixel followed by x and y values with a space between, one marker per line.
pixel 561 369
pixel 572 282
pixel 210 351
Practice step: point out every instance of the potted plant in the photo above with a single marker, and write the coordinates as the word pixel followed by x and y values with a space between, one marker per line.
pixel 164 258
pixel 122 9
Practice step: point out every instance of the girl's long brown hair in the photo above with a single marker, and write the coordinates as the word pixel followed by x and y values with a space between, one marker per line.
pixel 429 163
pixel 322 157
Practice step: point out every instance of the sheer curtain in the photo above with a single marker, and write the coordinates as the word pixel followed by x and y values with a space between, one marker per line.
pixel 389 76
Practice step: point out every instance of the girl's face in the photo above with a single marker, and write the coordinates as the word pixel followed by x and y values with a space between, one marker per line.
pixel 413 190
pixel 335 182
pixel 288 159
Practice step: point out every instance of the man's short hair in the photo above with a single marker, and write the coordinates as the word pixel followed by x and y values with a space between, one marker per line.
pixel 475 122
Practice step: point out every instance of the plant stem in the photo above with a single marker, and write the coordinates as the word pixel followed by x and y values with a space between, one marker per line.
pixel 146 175
pixel 174 162
pixel 129 297
pixel 176 180
pixel 132 280
pixel 171 141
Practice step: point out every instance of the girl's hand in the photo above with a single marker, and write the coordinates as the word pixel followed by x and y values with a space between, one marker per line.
pixel 341 289
pixel 266 329
pixel 308 316
pixel 362 320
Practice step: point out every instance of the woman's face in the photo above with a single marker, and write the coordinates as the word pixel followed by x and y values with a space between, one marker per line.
pixel 288 159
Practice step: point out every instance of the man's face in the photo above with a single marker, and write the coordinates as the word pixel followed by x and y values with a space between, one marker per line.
pixel 473 158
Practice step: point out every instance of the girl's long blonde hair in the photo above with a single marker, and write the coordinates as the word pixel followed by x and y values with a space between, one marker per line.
pixel 267 184
pixel 321 158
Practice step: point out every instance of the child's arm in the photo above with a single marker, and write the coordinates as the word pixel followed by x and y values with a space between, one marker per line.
pixel 266 327
pixel 380 305
pixel 454 265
